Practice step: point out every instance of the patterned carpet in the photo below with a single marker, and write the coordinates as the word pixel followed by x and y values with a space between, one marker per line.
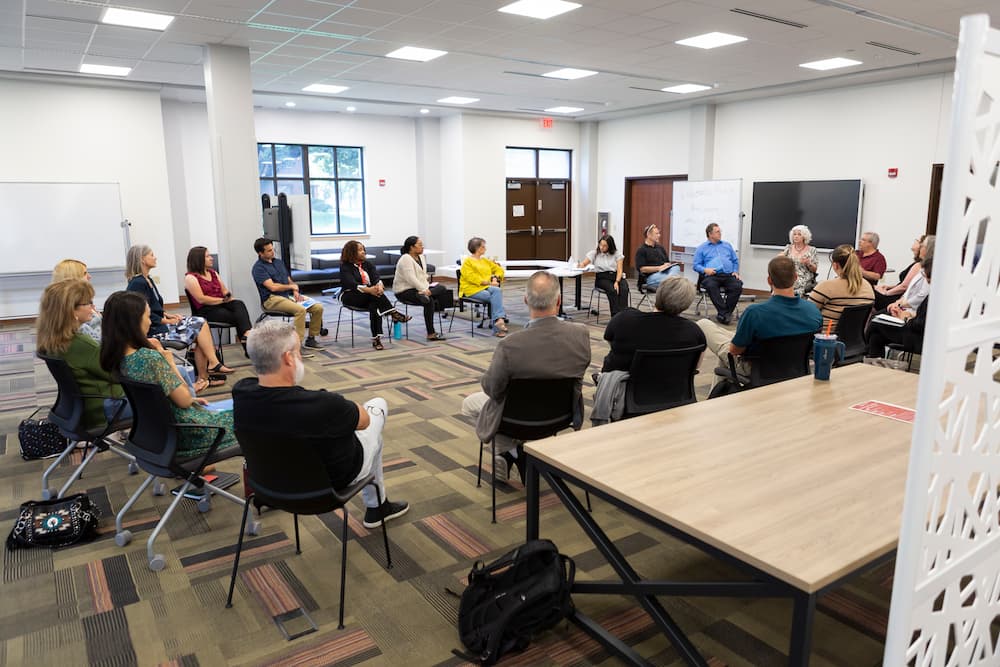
pixel 99 604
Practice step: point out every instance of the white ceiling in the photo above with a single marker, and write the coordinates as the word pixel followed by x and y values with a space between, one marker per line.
pixel 494 56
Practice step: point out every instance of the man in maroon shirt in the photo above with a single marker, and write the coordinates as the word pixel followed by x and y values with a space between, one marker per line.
pixel 872 261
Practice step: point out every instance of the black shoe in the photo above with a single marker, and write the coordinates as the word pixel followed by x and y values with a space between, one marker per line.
pixel 312 344
pixel 388 511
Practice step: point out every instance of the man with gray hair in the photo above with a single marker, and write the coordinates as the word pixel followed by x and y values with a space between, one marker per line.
pixel 347 436
pixel 872 261
pixel 547 348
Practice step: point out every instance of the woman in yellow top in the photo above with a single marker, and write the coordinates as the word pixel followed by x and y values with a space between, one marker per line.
pixel 480 281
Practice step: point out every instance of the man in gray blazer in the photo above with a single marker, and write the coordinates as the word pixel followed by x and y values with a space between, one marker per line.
pixel 547 348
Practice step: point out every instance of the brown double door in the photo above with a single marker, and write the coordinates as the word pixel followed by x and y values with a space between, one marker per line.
pixel 538 215
pixel 648 201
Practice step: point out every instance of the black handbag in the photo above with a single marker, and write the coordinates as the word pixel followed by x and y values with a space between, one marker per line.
pixel 40 438
pixel 55 523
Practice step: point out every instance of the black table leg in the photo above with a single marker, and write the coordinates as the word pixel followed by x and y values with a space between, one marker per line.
pixel 579 290
pixel 802 622
pixel 531 491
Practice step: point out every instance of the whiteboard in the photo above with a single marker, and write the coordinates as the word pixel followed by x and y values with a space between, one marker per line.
pixel 50 222
pixel 697 203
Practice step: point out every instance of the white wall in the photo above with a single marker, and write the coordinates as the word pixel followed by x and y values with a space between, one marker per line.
pixel 844 133
pixel 60 132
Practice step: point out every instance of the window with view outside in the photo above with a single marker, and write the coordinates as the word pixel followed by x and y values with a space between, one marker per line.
pixel 333 176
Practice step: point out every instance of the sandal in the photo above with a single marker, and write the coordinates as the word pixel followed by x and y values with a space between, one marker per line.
pixel 435 336
pixel 200 385
pixel 500 334
pixel 377 343
pixel 219 368
pixel 400 317
pixel 501 325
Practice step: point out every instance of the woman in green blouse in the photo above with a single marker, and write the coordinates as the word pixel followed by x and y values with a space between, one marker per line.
pixel 65 306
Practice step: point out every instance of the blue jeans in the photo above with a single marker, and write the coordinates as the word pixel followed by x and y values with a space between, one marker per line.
pixel 111 407
pixel 492 295
pixel 654 279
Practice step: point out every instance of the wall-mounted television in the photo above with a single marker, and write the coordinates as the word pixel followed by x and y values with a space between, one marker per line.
pixel 830 209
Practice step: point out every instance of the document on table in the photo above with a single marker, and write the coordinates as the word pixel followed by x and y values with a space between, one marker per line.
pixel 897 412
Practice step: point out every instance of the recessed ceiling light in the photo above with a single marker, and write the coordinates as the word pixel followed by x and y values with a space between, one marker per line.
pixel 352 109
pixel 539 9
pixel 134 19
pixel 686 88
pixel 457 100
pixel 107 70
pixel 569 73
pixel 711 40
pixel 415 53
pixel 563 109
pixel 324 88
pixel 289 104
pixel 831 63
pixel 425 111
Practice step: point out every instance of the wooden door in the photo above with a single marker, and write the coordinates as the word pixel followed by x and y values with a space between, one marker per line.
pixel 552 236
pixel 522 208
pixel 647 202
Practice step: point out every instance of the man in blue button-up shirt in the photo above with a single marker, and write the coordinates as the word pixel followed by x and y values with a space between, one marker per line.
pixel 719 267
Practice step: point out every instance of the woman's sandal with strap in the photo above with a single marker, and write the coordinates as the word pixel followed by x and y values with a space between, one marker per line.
pixel 377 343
pixel 219 368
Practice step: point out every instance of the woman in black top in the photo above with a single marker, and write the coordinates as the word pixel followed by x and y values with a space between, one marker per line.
pixel 362 288
pixel 910 334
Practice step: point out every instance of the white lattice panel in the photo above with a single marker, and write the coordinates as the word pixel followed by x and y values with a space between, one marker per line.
pixel 946 592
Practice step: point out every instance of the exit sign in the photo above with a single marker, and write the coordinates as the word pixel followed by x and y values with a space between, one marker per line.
pixel 547 123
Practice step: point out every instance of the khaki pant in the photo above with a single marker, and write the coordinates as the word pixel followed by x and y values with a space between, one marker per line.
pixel 717 340
pixel 285 305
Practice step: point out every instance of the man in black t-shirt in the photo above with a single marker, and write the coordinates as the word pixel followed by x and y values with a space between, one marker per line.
pixel 347 436
pixel 651 259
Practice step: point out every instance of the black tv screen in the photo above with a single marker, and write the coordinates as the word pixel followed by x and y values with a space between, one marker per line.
pixel 830 209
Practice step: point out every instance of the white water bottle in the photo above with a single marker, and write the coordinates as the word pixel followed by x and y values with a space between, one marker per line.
pixel 571 263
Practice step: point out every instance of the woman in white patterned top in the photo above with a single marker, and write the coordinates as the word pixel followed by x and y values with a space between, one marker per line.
pixel 607 260
pixel 804 256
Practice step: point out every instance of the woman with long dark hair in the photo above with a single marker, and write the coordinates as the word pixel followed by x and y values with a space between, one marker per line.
pixel 126 350
pixel 411 286
pixel 607 260
pixel 362 288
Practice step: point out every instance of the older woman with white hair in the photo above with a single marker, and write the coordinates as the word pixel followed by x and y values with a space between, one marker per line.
pixel 803 254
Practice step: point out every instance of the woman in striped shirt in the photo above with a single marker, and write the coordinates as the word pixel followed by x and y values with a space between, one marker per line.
pixel 849 288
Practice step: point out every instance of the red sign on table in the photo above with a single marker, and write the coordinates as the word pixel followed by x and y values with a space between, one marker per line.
pixel 897 412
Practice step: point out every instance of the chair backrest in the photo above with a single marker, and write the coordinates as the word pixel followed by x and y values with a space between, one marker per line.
pixel 661 379
pixel 194 311
pixel 780 358
pixel 286 473
pixel 851 330
pixel 537 408
pixel 67 412
pixel 153 438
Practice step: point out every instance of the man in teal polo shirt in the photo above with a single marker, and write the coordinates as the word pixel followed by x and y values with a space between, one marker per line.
pixel 784 314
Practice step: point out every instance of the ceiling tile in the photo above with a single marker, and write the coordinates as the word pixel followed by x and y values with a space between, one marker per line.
pixel 304 8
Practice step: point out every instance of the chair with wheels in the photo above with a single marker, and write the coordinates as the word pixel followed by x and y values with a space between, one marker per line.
pixel 482 308
pixel 851 331
pixel 217 329
pixel 533 409
pixel 153 442
pixel 68 414
pixel 661 379
pixel 286 473
pixel 772 360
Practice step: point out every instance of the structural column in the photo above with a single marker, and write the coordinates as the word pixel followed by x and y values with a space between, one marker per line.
pixel 229 92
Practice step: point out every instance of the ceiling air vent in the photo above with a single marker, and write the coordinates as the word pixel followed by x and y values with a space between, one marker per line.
pixel 890 47
pixel 765 17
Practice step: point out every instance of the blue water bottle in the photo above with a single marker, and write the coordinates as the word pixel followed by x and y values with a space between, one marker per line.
pixel 397 331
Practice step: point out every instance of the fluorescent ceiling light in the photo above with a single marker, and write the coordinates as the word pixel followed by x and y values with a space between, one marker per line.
pixel 425 111
pixel 711 40
pixel 134 19
pixel 457 100
pixel 831 63
pixel 686 88
pixel 415 53
pixel 539 9
pixel 569 73
pixel 352 109
pixel 563 109
pixel 107 70
pixel 289 104
pixel 324 88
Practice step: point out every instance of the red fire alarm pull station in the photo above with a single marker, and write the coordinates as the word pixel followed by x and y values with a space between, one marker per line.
pixel 893 172
pixel 547 123
pixel 381 182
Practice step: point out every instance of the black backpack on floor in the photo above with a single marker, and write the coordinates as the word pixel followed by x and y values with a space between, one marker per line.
pixel 513 598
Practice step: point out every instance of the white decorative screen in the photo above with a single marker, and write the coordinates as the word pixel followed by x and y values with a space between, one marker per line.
pixel 946 593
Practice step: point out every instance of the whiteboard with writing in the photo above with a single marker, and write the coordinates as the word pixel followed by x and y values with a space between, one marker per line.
pixel 697 203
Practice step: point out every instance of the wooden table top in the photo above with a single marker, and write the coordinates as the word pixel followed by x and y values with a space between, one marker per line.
pixel 785 477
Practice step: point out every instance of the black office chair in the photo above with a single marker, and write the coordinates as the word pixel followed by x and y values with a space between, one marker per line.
pixel 661 379
pixel 644 289
pixel 387 325
pixel 534 409
pixel 67 414
pixel 416 304
pixel 215 328
pixel 851 331
pixel 153 442
pixel 772 360
pixel 703 298
pixel 288 474
pixel 905 352
pixel 477 308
